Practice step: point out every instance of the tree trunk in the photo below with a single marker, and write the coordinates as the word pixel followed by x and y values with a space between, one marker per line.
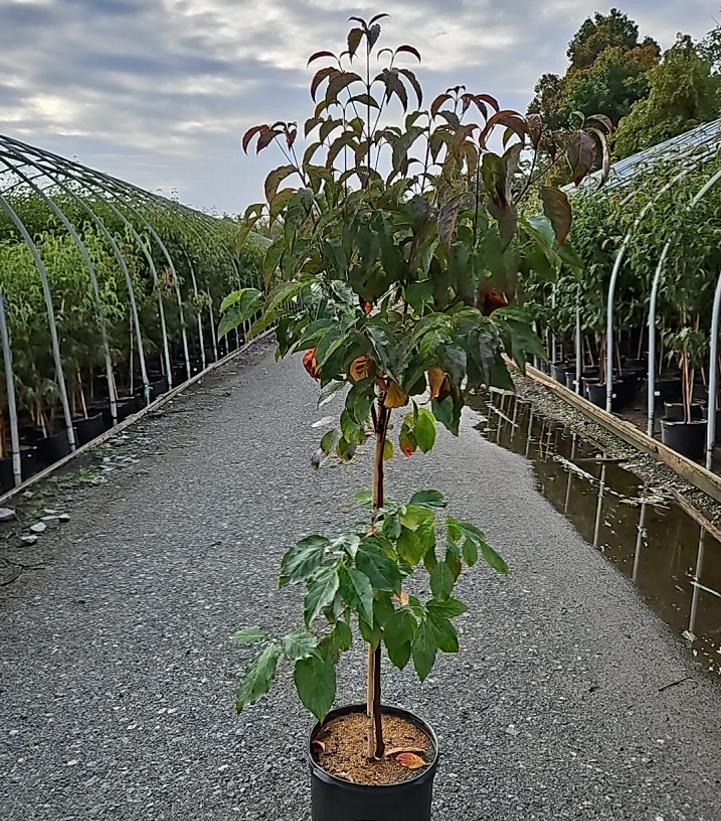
pixel 376 746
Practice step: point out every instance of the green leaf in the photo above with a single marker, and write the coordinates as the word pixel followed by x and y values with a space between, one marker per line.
pixel 240 306
pixel 342 636
pixel 558 209
pixel 315 682
pixel 299 645
pixel 446 608
pixel 328 442
pixel 425 430
pixel 492 558
pixel 442 580
pixel 274 178
pixel 423 651
pixel 432 499
pixel 258 678
pixel 387 450
pixel 364 499
pixel 329 391
pixel 470 552
pixel 444 633
pixel 355 587
pixel 398 637
pixel 304 559
pixel 248 636
pixel 378 566
pixel 321 593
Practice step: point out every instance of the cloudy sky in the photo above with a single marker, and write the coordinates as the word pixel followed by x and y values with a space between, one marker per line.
pixel 159 91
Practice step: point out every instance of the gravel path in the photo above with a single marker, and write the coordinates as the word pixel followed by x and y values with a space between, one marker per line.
pixel 116 674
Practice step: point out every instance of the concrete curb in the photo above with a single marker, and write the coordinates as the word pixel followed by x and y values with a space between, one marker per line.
pixel 131 420
pixel 697 475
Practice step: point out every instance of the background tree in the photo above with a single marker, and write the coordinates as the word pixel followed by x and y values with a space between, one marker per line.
pixel 683 94
pixel 607 72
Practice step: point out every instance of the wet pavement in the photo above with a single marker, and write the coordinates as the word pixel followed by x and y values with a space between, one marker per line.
pixel 639 528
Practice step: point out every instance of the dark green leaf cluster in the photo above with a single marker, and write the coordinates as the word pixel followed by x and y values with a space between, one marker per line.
pixel 360 578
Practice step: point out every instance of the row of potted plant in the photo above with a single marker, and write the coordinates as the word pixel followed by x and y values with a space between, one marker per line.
pixel 206 266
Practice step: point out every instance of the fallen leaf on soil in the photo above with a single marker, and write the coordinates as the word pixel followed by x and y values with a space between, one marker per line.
pixel 411 760
pixel 318 746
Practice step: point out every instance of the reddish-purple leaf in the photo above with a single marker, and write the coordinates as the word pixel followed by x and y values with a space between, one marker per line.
pixel 354 39
pixel 322 74
pixel 438 102
pixel 338 83
pixel 318 55
pixel 535 128
pixel 492 101
pixel 250 133
pixel 265 139
pixel 317 746
pixel 606 161
pixel 413 80
pixel 409 50
pixel 603 120
pixel 377 17
pixel 374 32
pixel 557 208
pixel 580 153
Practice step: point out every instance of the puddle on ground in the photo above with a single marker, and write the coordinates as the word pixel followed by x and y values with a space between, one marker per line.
pixel 674 562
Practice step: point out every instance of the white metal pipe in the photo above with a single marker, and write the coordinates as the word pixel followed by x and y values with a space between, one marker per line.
pixel 10 391
pixel 651 380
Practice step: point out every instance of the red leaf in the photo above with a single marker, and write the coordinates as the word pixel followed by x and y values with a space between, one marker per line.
pixel 265 139
pixel 413 80
pixel 377 17
pixel 411 761
pixel 603 120
pixel 318 55
pixel 250 133
pixel 492 101
pixel 535 128
pixel 409 50
pixel 438 102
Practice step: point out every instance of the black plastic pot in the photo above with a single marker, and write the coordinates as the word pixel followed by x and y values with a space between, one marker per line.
pixel 596 393
pixel 668 388
pixel 52 448
pixel 570 379
pixel 335 799
pixel 558 371
pixel 28 466
pixel 686 438
pixel 90 428
pixel 673 411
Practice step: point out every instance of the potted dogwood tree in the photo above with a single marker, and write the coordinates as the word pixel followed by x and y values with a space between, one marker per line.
pixel 396 268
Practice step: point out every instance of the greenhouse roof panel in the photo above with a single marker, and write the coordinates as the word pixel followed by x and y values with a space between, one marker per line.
pixel 703 138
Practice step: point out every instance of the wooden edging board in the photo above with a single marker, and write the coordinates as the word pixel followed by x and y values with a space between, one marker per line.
pixel 697 475
pixel 132 419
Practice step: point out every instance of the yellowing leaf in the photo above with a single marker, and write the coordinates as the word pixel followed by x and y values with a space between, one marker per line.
pixel 360 368
pixel 396 397
pixel 411 761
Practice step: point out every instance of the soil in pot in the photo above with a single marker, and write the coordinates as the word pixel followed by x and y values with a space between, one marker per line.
pixel 686 438
pixel 341 749
pixel 396 793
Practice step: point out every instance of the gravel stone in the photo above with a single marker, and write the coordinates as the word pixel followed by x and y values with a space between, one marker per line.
pixel 117 674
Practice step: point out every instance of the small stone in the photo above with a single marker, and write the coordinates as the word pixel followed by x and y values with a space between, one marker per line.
pixel 6 513
pixel 512 730
pixel 38 527
pixel 64 517
pixel 29 539
pixel 50 511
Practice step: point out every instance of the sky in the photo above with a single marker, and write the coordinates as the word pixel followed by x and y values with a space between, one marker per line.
pixel 159 92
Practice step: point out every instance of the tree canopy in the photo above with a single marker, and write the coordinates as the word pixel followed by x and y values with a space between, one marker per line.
pixel 683 93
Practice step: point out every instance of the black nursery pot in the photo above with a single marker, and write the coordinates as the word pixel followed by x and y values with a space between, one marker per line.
pixel 558 371
pixel 28 466
pixel 90 428
pixel 686 438
pixel 335 799
pixel 55 447
pixel 673 411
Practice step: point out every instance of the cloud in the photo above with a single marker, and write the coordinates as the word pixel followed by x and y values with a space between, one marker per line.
pixel 159 91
